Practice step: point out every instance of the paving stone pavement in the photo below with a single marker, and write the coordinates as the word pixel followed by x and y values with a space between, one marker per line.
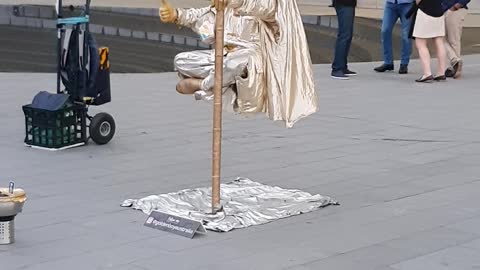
pixel 402 158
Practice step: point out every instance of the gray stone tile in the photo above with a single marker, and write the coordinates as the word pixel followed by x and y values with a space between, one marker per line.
pixel 364 258
pixel 95 28
pixel 111 31
pixel 31 11
pixel 34 22
pixel 471 225
pixel 124 32
pixel 203 45
pixel 191 42
pixel 280 258
pixel 18 21
pixel 138 34
pixel 454 258
pixel 177 39
pixel 310 19
pixel 6 11
pixel 153 36
pixel 166 38
pixel 49 24
pixel 225 254
pixel 13 261
pixel 105 259
pixel 4 20
pixel 130 267
pixel 46 12
pixel 333 22
pixel 475 244
pixel 425 242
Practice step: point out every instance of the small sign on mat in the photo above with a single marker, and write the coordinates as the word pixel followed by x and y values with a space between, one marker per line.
pixel 173 224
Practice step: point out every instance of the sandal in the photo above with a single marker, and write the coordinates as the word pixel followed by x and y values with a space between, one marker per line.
pixel 424 79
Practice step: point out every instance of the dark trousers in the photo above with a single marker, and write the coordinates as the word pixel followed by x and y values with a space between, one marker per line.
pixel 391 15
pixel 345 16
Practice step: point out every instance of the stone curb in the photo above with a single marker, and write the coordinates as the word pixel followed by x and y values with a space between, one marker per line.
pixel 41 17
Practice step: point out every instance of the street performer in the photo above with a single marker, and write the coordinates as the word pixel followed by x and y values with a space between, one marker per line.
pixel 267 64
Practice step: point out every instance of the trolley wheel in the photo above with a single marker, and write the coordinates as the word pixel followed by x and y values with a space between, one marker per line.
pixel 102 128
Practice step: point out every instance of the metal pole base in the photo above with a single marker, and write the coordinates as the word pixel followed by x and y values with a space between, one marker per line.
pixel 216 210
pixel 7 232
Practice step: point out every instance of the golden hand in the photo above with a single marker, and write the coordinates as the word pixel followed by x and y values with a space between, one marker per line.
pixel 167 13
pixel 214 1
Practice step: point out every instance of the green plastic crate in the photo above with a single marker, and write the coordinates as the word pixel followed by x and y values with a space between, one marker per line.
pixel 55 129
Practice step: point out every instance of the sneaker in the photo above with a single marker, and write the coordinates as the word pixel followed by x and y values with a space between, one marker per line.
pixel 403 69
pixel 384 67
pixel 339 75
pixel 349 73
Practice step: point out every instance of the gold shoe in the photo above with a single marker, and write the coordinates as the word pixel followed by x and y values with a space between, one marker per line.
pixel 189 86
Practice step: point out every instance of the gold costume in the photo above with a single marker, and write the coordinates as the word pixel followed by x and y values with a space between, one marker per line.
pixel 267 65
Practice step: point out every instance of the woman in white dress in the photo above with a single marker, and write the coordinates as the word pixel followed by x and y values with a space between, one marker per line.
pixel 429 23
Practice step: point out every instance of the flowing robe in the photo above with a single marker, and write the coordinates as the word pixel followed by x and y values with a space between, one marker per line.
pixel 267 64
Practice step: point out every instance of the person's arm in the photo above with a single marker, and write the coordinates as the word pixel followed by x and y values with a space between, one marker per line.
pixel 188 17
pixel 180 16
pixel 460 4
pixel 263 9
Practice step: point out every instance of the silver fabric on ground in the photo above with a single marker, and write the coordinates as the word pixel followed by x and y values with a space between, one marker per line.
pixel 245 203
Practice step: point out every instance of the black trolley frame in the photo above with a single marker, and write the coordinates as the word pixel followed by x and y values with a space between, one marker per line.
pixel 67 127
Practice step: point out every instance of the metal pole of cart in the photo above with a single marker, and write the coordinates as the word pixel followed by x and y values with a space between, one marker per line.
pixel 58 8
pixel 86 52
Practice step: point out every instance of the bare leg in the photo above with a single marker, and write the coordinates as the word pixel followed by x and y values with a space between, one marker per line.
pixel 441 55
pixel 424 54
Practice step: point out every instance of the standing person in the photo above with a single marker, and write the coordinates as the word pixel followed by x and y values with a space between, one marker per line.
pixel 395 9
pixel 456 10
pixel 345 10
pixel 429 23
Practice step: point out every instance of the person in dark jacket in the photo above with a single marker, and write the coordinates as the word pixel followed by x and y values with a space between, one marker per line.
pixel 429 23
pixel 456 10
pixel 346 15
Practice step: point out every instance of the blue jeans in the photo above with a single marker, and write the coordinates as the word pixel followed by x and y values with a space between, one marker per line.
pixel 390 17
pixel 346 16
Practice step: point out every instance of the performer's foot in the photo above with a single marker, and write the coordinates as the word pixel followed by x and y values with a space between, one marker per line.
pixel 189 86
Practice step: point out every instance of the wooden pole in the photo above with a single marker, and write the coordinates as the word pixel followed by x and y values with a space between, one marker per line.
pixel 217 106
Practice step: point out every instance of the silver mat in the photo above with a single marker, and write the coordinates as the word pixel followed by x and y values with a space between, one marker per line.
pixel 245 203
